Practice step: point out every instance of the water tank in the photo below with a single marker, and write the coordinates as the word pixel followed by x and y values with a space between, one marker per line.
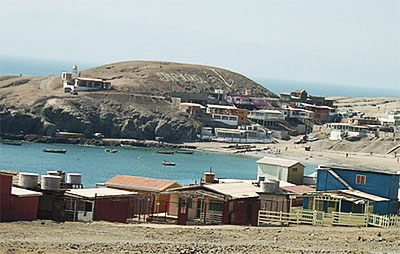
pixel 59 173
pixel 50 182
pixel 269 186
pixel 209 177
pixel 74 178
pixel 28 180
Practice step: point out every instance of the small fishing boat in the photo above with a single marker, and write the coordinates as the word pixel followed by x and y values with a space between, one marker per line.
pixel 168 163
pixel 12 142
pixel 47 150
pixel 184 152
pixel 166 152
pixel 111 150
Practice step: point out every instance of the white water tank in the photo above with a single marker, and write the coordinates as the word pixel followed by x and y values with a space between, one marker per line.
pixel 57 173
pixel 28 180
pixel 50 182
pixel 74 178
pixel 269 186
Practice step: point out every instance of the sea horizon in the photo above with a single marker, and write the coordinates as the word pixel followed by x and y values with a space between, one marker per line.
pixel 28 66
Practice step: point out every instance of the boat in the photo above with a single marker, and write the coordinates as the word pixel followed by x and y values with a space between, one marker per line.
pixel 184 152
pixel 46 150
pixel 111 150
pixel 168 163
pixel 12 142
pixel 166 152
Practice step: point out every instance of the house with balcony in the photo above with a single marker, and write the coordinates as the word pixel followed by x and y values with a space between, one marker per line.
pixel 229 115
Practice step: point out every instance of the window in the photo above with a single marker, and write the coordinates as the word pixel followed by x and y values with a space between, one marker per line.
pixel 215 206
pixel 361 179
pixel 294 169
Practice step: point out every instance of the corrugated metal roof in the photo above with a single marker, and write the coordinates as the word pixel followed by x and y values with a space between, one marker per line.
pixel 298 189
pixel 19 192
pixel 140 183
pixel 363 195
pixel 278 162
pixel 349 195
pixel 235 190
pixel 98 192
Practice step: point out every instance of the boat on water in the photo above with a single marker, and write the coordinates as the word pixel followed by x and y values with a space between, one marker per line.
pixel 47 150
pixel 184 152
pixel 12 142
pixel 111 150
pixel 166 152
pixel 168 163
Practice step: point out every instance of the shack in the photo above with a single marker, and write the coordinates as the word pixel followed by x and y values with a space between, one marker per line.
pixel 94 204
pixel 17 204
pixel 151 188
pixel 217 203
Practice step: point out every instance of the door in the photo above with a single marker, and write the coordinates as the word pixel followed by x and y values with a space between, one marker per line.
pixel 182 213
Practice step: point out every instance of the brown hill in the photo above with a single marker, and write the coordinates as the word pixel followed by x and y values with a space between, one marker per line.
pixel 138 107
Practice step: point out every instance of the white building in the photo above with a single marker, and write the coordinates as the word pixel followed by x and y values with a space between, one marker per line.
pixel 272 168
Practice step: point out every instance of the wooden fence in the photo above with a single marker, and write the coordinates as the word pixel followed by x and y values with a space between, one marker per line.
pixel 312 217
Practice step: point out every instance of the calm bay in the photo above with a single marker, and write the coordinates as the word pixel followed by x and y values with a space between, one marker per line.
pixel 97 166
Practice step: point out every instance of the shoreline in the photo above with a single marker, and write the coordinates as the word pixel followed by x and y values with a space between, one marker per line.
pixel 288 150
pixel 283 149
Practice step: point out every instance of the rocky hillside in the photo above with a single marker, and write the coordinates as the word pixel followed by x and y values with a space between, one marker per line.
pixel 139 107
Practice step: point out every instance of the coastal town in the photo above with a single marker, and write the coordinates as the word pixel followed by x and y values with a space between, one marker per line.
pixel 345 195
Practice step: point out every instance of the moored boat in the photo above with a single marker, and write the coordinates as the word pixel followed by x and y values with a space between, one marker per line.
pixel 184 152
pixel 166 152
pixel 168 163
pixel 12 142
pixel 111 150
pixel 47 150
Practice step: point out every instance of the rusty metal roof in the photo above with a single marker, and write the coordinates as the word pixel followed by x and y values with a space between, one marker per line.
pixel 298 189
pixel 140 183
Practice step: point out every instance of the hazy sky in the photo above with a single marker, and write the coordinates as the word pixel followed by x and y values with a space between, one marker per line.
pixel 345 42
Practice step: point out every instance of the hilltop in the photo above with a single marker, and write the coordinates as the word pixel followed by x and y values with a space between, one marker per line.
pixel 139 106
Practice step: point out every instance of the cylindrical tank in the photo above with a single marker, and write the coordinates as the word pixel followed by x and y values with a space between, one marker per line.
pixel 50 182
pixel 28 180
pixel 74 178
pixel 209 177
pixel 269 186
pixel 59 173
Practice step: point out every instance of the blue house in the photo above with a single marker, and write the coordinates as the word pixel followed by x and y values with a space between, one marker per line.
pixel 361 190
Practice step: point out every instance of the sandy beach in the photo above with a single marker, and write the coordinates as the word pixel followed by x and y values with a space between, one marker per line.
pixel 318 154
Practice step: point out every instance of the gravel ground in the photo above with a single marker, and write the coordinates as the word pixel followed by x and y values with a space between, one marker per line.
pixel 103 237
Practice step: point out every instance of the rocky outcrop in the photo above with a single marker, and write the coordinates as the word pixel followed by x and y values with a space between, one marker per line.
pixel 139 107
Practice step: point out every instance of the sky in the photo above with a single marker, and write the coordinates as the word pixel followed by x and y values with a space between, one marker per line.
pixel 355 42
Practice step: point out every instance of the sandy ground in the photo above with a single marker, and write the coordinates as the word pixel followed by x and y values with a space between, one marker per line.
pixel 317 155
pixel 104 237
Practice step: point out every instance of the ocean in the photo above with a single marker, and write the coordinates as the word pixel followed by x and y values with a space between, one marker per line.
pixel 10 65
pixel 98 166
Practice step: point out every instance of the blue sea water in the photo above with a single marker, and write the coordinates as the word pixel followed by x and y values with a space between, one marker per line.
pixel 97 166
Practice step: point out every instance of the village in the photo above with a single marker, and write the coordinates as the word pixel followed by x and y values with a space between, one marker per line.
pixel 282 195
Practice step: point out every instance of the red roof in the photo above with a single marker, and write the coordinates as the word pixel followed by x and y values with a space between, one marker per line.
pixel 138 183
pixel 298 189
